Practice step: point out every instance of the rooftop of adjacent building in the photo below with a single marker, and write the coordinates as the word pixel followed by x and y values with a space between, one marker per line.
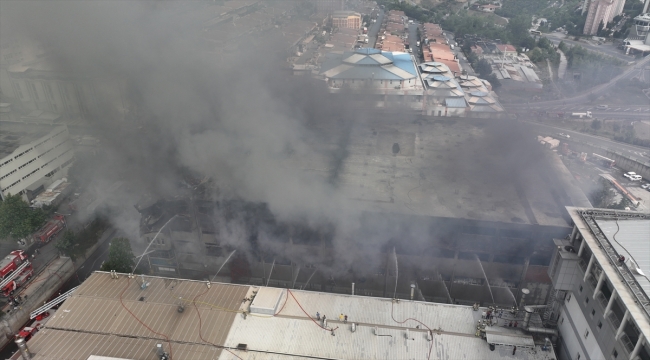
pixel 191 319
pixel 614 233
pixel 369 63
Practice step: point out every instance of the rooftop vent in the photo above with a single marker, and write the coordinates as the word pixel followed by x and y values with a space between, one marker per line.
pixel 242 347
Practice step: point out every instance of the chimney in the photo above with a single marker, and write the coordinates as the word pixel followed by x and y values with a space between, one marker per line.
pixel 352 288
pixel 22 347
pixel 528 311
pixel 412 290
pixel 524 292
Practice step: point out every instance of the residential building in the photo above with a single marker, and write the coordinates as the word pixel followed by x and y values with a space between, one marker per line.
pixel 600 11
pixel 507 49
pixel 646 7
pixel 600 291
pixel 31 160
pixel 119 316
pixel 346 19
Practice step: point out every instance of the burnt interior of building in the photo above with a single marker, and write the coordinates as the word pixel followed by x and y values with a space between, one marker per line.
pixel 449 260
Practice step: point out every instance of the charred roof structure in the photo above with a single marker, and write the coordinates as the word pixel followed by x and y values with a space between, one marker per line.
pixel 438 217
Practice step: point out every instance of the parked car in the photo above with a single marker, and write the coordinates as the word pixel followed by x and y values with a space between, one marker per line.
pixel 645 186
pixel 565 135
pixel 633 176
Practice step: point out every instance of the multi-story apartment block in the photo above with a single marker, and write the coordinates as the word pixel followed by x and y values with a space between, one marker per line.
pixel 600 299
pixel 346 19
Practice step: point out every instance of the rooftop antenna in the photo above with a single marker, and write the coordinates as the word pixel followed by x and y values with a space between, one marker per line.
pixel 151 242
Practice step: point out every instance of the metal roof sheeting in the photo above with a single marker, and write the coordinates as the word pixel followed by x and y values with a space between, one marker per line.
pixel 631 238
pixel 94 322
pixel 455 102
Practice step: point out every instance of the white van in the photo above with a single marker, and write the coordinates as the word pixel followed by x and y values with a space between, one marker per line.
pixel 602 107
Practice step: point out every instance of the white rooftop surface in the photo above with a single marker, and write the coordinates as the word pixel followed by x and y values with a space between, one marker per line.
pixel 625 295
pixel 294 333
pixel 632 239
pixel 266 301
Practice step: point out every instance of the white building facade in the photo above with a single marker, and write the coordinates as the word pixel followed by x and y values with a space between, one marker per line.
pixel 34 163
pixel 600 300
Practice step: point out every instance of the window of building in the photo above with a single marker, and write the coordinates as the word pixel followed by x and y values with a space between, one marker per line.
pixel 593 312
pixel 587 300
pixel 580 288
pixel 614 354
pixel 568 298
pixel 600 324
pixel 578 356
pixel 562 320
pixel 586 333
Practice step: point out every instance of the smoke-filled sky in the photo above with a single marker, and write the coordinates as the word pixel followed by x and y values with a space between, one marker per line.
pixel 237 119
pixel 234 118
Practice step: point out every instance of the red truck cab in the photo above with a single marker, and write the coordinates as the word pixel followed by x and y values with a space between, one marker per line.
pixel 11 262
pixel 50 229
pixel 19 281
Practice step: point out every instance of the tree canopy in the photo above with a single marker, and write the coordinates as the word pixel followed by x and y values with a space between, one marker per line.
pixel 120 256
pixel 17 219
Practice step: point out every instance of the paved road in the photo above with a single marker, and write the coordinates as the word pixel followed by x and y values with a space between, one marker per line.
pixel 631 150
pixel 413 39
pixel 598 90
pixel 374 29
pixel 464 64
pixel 607 49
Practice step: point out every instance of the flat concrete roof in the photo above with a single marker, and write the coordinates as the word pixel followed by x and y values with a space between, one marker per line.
pixel 473 169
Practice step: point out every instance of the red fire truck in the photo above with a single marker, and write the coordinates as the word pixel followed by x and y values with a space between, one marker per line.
pixel 11 262
pixel 28 331
pixel 49 230
pixel 19 281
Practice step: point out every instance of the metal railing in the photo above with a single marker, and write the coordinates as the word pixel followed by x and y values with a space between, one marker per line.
pixel 589 217
pixel 627 343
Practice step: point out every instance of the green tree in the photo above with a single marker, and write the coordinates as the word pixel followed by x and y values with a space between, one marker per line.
pixel 17 219
pixel 536 55
pixel 518 28
pixel 66 244
pixel 120 256
pixel 596 124
pixel 483 68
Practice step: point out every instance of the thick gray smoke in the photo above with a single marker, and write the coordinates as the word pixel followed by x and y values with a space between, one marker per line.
pixel 238 119
pixel 232 115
